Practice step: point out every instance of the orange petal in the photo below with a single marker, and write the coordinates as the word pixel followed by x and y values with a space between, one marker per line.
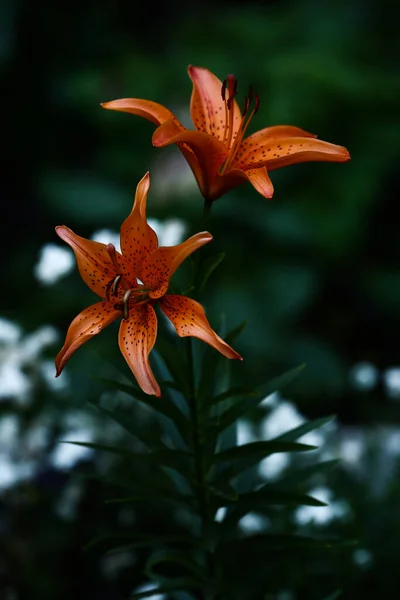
pixel 137 336
pixel 280 152
pixel 260 180
pixel 189 319
pixel 94 264
pixel 207 107
pixel 152 111
pixel 161 264
pixel 170 129
pixel 277 131
pixel 85 325
pixel 210 152
pixel 138 239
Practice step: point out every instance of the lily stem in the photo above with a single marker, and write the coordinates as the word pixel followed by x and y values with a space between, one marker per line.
pixel 206 213
pixel 200 468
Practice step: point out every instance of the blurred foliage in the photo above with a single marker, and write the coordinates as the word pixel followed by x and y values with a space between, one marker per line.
pixel 315 271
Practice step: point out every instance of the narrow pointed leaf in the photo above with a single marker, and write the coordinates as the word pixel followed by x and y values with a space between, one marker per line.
pixel 234 392
pixel 259 450
pixel 282 542
pixel 301 430
pixel 160 405
pixel 133 426
pixel 301 475
pixel 224 490
pixel 168 557
pixel 137 540
pixel 240 408
pixel 208 268
pixel 234 333
pixel 175 459
pixel 262 498
pixel 174 362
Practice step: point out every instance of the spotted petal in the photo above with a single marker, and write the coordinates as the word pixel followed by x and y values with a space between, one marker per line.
pixel 138 239
pixel 85 325
pixel 189 319
pixel 161 264
pixel 207 108
pixel 265 151
pixel 152 111
pixel 94 264
pixel 137 336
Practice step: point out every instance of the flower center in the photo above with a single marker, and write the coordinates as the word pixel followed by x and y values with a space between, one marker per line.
pixel 233 140
pixel 131 296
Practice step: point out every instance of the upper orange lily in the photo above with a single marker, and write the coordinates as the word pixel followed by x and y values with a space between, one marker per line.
pixel 130 283
pixel 217 151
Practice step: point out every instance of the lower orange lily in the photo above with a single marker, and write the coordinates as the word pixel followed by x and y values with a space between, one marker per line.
pixel 130 283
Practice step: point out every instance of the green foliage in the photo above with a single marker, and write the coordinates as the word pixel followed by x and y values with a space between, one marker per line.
pixel 205 477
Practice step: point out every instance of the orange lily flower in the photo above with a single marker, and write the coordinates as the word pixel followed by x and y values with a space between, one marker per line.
pixel 220 156
pixel 130 283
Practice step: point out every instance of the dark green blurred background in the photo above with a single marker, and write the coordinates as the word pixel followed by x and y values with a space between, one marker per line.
pixel 315 271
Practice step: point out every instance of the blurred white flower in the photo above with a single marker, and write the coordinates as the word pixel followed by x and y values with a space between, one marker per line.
pixel 285 416
pixel 363 557
pixel 66 455
pixel 364 376
pixel 391 379
pixel 106 236
pixel 54 262
pixel 17 353
pixel 254 523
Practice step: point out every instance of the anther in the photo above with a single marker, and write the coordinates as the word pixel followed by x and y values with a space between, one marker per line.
pixel 223 90
pixel 116 284
pixel 125 303
pixel 256 104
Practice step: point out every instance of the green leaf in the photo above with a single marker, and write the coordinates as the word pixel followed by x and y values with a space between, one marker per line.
pixel 234 392
pixel 174 362
pixel 224 490
pixel 131 425
pixel 176 585
pixel 281 542
pixel 137 540
pixel 234 333
pixel 208 267
pixel 240 408
pixel 259 450
pixel 265 496
pixel 160 405
pixel 175 459
pixel 302 474
pixel 156 487
pixel 171 557
pixel 301 430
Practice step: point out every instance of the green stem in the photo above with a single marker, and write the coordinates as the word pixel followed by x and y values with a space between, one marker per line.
pixel 206 213
pixel 200 468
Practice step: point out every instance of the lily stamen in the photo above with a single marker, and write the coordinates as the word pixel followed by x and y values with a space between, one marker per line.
pixel 137 296
pixel 125 303
pixel 116 284
pixel 246 118
pixel 112 286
